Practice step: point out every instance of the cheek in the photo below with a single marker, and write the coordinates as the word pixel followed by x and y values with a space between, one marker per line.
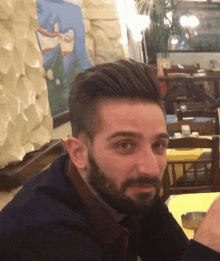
pixel 162 164
pixel 116 169
pixel 115 162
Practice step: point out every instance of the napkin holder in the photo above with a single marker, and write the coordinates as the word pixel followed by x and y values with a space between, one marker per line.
pixel 185 130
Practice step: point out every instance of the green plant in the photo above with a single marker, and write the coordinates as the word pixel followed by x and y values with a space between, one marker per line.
pixel 164 23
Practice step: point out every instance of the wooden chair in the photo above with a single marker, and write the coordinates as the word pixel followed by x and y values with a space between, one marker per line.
pixel 203 128
pixel 213 115
pixel 201 175
pixel 176 73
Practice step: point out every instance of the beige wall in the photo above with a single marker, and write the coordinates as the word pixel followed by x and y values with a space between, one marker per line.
pixel 25 119
pixel 103 31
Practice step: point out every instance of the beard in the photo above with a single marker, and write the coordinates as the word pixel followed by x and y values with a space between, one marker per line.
pixel 107 190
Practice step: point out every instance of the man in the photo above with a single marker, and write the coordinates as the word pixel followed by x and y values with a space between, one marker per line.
pixel 101 200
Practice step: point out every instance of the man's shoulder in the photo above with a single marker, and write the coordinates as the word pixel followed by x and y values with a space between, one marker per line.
pixel 161 231
pixel 48 198
pixel 159 218
pixel 57 240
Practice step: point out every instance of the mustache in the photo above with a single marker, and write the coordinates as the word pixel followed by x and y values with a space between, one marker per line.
pixel 141 181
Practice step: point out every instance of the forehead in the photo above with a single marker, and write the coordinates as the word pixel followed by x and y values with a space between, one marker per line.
pixel 130 115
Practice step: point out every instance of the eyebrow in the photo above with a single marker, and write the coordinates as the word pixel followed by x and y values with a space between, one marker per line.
pixel 163 135
pixel 135 135
pixel 124 134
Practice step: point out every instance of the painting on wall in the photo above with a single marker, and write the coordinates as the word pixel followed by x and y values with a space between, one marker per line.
pixel 62 42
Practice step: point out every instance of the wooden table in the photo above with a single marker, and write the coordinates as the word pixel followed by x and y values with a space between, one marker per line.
pixel 15 174
pixel 181 204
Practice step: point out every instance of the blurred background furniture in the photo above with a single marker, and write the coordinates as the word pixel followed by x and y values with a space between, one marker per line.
pixel 192 175
pixel 212 116
pixel 202 127
pixel 189 88
pixel 180 99
pixel 206 106
pixel 176 71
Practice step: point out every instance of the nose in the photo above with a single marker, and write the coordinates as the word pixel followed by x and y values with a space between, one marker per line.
pixel 148 163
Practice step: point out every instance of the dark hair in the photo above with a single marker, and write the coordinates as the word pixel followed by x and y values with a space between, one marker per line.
pixel 123 79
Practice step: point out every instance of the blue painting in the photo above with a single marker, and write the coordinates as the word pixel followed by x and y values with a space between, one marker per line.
pixel 62 42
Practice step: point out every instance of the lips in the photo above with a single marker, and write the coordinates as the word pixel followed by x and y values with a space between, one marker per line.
pixel 143 188
pixel 142 185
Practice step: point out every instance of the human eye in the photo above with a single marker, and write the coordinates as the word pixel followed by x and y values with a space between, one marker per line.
pixel 126 147
pixel 160 146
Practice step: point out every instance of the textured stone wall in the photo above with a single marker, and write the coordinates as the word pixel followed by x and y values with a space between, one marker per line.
pixel 102 31
pixel 25 119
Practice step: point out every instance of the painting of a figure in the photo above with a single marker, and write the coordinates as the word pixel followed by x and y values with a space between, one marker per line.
pixel 62 42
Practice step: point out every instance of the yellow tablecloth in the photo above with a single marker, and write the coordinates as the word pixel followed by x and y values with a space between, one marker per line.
pixel 185 154
pixel 181 204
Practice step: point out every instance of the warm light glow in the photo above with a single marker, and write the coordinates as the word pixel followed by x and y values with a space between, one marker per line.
pixel 167 21
pixel 184 20
pixel 137 24
pixel 128 18
pixel 121 7
pixel 194 21
pixel 142 21
pixel 189 21
pixel 174 41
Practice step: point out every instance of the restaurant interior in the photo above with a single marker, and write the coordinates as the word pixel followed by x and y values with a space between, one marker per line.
pixel 179 40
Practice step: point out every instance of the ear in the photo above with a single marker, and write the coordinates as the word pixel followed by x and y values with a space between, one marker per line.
pixel 77 150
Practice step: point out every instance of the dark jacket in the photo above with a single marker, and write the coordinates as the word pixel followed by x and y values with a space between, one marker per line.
pixel 46 221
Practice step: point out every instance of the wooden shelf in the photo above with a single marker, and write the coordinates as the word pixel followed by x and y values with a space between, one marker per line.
pixel 15 174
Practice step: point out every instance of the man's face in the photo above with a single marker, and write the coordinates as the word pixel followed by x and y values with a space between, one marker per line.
pixel 128 155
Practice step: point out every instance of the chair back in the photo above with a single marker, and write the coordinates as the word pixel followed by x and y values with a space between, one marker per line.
pixel 193 176
pixel 214 115
pixel 203 128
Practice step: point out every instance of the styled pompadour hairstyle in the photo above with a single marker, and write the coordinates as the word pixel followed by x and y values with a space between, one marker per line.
pixel 123 79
